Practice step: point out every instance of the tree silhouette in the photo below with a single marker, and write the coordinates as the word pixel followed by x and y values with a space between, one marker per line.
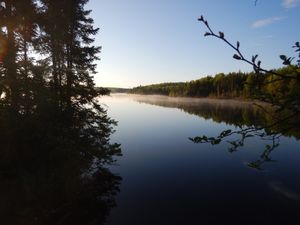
pixel 54 133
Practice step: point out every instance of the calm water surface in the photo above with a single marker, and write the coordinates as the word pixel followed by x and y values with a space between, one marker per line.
pixel 167 179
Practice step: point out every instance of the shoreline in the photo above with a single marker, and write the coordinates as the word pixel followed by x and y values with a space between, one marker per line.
pixel 196 99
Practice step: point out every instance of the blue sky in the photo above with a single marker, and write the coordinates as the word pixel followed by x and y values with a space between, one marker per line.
pixel 153 41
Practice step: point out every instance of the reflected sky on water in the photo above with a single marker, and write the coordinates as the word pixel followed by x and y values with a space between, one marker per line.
pixel 167 179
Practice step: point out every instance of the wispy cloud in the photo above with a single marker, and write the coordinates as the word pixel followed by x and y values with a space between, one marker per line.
pixel 265 22
pixel 290 3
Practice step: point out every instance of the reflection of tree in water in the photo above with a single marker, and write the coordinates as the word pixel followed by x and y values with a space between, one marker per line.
pixel 55 172
pixel 250 120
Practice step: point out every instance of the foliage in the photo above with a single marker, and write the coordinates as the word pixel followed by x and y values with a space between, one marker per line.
pixel 53 173
pixel 118 90
pixel 231 85
pixel 280 88
pixel 245 121
pixel 54 133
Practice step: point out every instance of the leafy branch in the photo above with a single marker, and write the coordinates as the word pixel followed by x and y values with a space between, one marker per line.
pixel 244 132
pixel 289 104
pixel 256 64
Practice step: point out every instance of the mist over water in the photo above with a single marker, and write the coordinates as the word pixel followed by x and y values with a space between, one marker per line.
pixel 167 179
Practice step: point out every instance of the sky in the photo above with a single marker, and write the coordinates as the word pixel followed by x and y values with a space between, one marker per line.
pixel 154 41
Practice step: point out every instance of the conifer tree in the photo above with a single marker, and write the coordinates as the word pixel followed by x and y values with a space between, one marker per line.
pixel 18 28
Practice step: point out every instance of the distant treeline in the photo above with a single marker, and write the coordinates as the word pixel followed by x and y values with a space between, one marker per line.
pixel 118 90
pixel 108 90
pixel 231 85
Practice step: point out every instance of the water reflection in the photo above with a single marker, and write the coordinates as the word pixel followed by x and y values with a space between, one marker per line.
pixel 250 119
pixel 231 112
pixel 167 179
pixel 55 173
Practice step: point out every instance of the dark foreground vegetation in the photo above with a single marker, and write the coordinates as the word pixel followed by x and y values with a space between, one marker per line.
pixel 54 134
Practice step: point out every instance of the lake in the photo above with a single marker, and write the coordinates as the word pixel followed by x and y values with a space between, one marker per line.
pixel 168 179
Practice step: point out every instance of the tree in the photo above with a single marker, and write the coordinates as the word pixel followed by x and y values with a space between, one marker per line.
pixel 293 72
pixel 53 130
pixel 287 106
pixel 67 32
pixel 8 14
pixel 18 29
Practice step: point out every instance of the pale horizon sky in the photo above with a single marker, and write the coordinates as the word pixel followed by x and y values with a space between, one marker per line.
pixel 154 41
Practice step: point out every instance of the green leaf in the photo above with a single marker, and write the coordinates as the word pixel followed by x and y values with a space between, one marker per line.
pixel 235 56
pixel 215 142
pixel 254 58
pixel 258 64
pixel 283 57
pixel 221 34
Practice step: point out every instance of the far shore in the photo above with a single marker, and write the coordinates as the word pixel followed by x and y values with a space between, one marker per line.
pixel 195 99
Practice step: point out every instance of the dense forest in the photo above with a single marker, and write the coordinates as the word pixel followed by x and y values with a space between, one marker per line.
pixel 47 56
pixel 118 90
pixel 54 133
pixel 231 85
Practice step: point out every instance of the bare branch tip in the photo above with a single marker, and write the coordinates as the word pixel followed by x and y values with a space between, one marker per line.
pixel 200 18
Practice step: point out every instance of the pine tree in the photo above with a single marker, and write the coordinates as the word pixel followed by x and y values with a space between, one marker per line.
pixel 80 54
pixel 17 30
pixel 8 27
